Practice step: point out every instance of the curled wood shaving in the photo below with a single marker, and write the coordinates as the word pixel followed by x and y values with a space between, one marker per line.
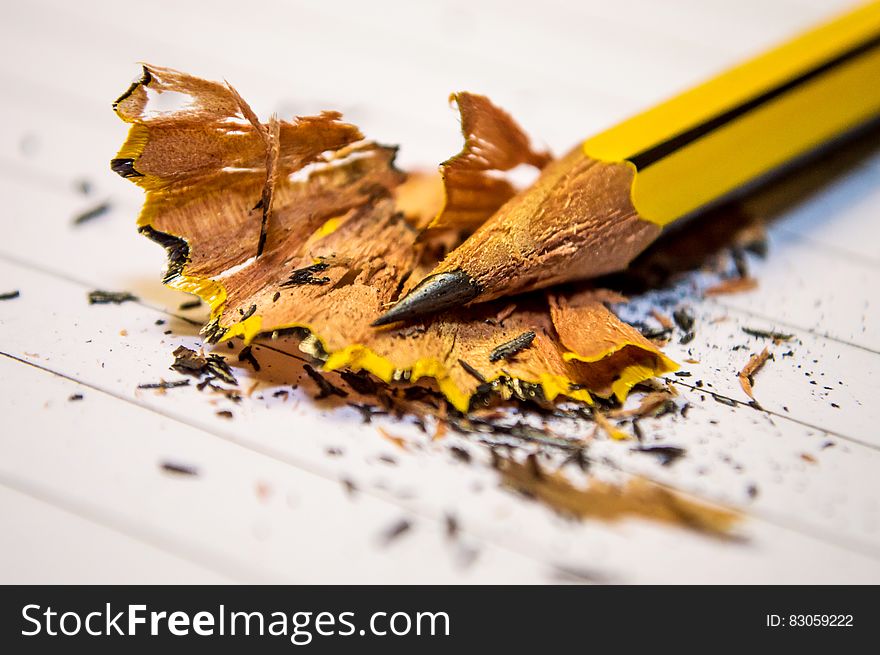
pixel 732 285
pixel 615 433
pixel 400 442
pixel 650 403
pixel 338 249
pixel 493 143
pixel 747 374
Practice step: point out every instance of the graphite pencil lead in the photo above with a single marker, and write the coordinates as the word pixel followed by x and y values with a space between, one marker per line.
pixel 434 294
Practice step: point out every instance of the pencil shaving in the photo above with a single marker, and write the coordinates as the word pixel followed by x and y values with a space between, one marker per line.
pixel 494 143
pixel 733 285
pixel 304 232
pixel 607 501
pixel 747 375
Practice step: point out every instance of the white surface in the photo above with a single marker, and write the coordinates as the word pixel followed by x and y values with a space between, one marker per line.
pixel 81 490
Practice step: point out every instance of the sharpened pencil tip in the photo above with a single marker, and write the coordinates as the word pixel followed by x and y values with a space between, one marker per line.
pixel 432 295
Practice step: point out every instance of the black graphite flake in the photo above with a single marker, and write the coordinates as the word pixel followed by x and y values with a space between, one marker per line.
pixel 764 334
pixel 637 430
pixel 367 411
pixel 229 393
pixel 247 355
pixel 246 315
pixel 452 526
pixel 420 393
pixel 656 333
pixel 99 297
pixel 518 430
pixel 164 385
pixel 94 212
pixel 124 167
pixel 188 361
pixel 668 407
pixel 10 295
pixel 395 531
pixel 302 276
pixel 76 396
pixel 217 366
pixel 191 304
pixel 213 332
pixel 326 387
pixel 349 486
pixel 683 319
pixel 460 454
pixel 687 338
pixel 179 469
pixel 723 400
pixel 176 249
pixel 667 454
pixel 474 373
pixel 360 382
pixel 512 347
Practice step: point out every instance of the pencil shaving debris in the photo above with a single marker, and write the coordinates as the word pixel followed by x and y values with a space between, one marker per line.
pixel 747 374
pixel 666 454
pixel 473 182
pixel 92 213
pixel 510 348
pixel 768 334
pixel 733 285
pixel 338 248
pixel 179 469
pixel 602 500
pixel 395 531
pixel 188 361
pixel 609 428
pixel 99 297
pixel 321 233
pixel 163 385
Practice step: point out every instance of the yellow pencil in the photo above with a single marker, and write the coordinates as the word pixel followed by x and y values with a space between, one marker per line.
pixel 592 211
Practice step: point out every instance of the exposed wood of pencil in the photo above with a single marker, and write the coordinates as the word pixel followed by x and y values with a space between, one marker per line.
pixel 690 151
pixel 575 222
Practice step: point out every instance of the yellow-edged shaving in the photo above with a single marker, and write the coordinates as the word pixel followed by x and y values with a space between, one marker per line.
pixel 338 250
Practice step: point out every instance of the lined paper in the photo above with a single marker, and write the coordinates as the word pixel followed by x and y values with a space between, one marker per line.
pixel 81 483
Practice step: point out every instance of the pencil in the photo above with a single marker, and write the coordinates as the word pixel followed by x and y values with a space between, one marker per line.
pixel 592 211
